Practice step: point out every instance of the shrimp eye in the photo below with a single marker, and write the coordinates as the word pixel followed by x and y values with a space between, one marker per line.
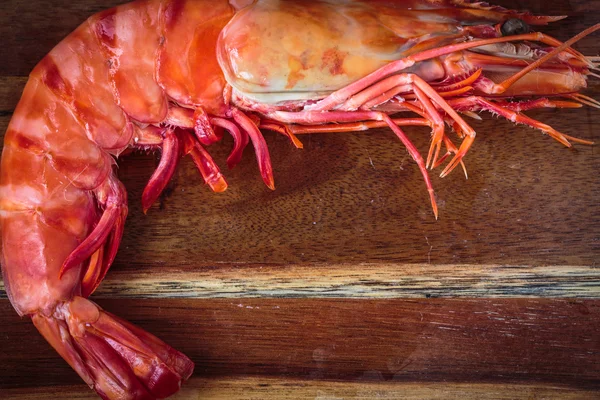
pixel 514 26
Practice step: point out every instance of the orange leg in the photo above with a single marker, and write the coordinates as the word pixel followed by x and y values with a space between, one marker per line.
pixel 175 143
pixel 171 150
pixel 355 126
pixel 345 117
pixel 468 81
pixel 507 110
pixel 184 132
pixel 206 165
pixel 438 127
pixel 282 129
pixel 583 99
pixel 260 146
pixel 240 139
pixel 425 93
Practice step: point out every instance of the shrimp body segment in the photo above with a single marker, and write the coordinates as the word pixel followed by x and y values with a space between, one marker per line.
pixel 176 75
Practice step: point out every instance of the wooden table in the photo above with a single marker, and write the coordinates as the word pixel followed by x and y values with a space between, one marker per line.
pixel 341 284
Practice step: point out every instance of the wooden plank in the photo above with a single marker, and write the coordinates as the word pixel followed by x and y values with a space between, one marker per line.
pixel 11 88
pixel 357 198
pixel 509 341
pixel 255 388
pixel 351 281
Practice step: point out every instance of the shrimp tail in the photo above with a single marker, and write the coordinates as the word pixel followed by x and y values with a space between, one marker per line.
pixel 114 357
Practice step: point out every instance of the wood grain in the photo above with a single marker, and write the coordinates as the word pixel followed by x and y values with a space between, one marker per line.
pixel 512 341
pixel 258 388
pixel 352 281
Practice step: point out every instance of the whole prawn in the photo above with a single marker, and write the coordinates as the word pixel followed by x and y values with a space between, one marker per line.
pixel 175 75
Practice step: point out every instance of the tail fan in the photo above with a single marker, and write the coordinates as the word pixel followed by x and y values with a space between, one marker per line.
pixel 115 358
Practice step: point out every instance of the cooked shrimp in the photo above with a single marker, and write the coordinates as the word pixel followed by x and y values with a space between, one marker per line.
pixel 175 75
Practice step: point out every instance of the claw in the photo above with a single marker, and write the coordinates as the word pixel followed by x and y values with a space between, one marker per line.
pixel 464 148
